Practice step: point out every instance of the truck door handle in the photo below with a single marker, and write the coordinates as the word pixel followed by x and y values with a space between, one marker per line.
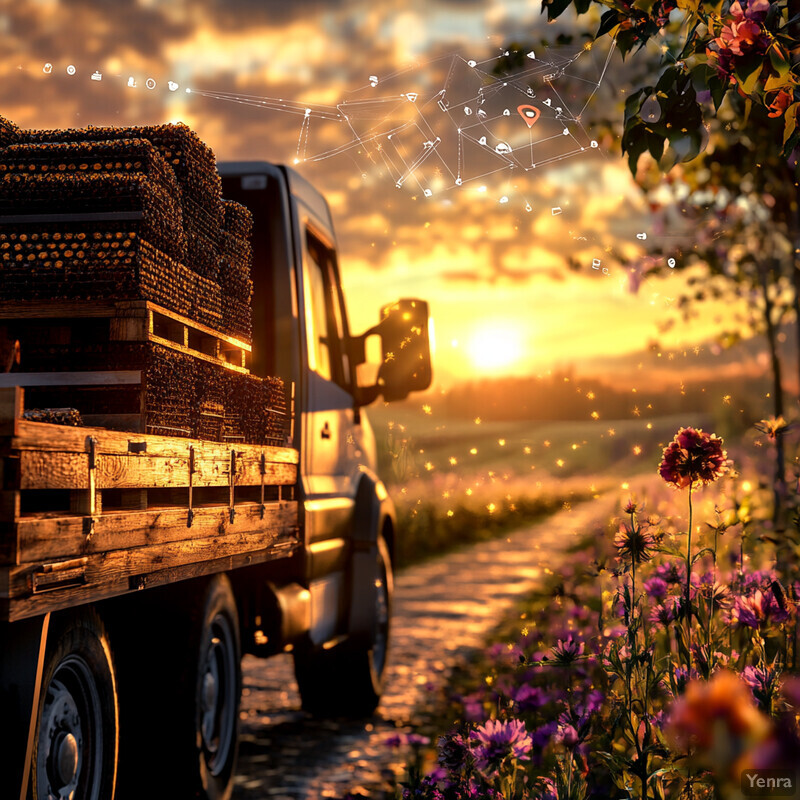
pixel 326 431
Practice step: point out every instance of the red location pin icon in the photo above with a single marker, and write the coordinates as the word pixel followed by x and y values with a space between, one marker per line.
pixel 529 113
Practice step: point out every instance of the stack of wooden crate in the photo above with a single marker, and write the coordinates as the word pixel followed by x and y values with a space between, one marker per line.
pixel 126 278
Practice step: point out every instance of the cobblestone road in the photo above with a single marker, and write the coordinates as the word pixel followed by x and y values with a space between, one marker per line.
pixel 444 608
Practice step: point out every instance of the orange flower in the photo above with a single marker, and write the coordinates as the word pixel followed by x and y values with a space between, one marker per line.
pixel 781 102
pixel 719 718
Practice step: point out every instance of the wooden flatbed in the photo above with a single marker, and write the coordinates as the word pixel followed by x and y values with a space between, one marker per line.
pixel 90 513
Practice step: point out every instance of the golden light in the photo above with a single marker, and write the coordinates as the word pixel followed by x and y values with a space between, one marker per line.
pixel 495 347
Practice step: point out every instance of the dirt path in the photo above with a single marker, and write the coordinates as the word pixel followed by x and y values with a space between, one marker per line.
pixel 443 609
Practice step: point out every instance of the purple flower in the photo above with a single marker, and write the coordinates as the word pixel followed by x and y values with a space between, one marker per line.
pixel 528 698
pixel 656 587
pixel 454 752
pixel 672 572
pixel 397 740
pixel 567 651
pixel 667 612
pixel 541 736
pixel 763 683
pixel 758 610
pixel 567 735
pixel 495 742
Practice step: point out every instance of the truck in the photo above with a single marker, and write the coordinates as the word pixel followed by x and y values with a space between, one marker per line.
pixel 139 562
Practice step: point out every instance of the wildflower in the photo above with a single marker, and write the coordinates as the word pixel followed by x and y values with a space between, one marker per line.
pixel 496 742
pixel 719 718
pixel 783 99
pixel 566 735
pixel 667 612
pixel 757 610
pixel 673 572
pixel 630 507
pixel 763 683
pixel 566 652
pixel 772 426
pixel 635 543
pixel 692 456
pixel 683 675
pixel 454 752
pixel 656 587
pixel 528 698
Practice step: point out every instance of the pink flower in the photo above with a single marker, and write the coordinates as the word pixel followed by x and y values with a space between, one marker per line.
pixel 496 741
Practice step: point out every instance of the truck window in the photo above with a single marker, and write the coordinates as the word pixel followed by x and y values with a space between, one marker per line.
pixel 324 318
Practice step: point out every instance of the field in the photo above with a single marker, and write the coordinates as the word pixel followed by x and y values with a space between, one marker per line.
pixel 459 481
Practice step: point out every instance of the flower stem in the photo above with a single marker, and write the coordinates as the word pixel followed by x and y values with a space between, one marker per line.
pixel 688 598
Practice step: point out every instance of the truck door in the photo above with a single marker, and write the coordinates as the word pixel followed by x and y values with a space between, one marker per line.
pixel 330 450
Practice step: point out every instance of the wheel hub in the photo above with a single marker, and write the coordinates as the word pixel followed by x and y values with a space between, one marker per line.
pixel 61 735
pixel 65 755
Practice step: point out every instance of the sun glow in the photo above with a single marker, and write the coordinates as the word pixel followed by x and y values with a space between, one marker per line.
pixel 495 348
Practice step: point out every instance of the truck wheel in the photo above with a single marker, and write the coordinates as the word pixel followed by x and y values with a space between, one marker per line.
pixel 75 746
pixel 348 680
pixel 180 688
pixel 217 691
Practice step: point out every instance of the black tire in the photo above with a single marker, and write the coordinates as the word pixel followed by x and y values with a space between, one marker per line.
pixel 348 680
pixel 180 703
pixel 76 741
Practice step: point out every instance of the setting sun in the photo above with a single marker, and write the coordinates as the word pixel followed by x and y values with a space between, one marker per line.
pixel 494 348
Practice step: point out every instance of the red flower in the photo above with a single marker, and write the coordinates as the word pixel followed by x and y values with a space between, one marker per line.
pixel 692 456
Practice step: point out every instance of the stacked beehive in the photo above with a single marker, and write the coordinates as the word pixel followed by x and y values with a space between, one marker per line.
pixel 183 248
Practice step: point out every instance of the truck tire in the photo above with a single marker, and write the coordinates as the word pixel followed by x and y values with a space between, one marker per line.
pixel 76 740
pixel 348 680
pixel 180 699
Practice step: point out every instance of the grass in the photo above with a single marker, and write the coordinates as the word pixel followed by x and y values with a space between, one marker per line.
pixel 458 481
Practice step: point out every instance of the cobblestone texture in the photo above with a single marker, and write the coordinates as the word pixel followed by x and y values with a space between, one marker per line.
pixel 443 609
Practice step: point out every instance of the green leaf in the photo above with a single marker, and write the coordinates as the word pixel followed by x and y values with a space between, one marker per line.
pixel 747 72
pixel 555 8
pixel 775 83
pixel 634 142
pixel 668 79
pixel 779 64
pixel 718 89
pixel 791 122
pixel 609 20
pixel 655 144
pixel 748 107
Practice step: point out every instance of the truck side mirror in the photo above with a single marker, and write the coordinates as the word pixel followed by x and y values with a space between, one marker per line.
pixel 406 352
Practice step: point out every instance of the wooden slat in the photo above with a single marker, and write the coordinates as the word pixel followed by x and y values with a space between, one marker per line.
pixel 11 405
pixel 113 565
pixel 60 438
pixel 104 378
pixel 49 309
pixel 53 470
pixel 65 536
pixel 223 337
pixel 119 422
pixel 196 353
pixel 37 604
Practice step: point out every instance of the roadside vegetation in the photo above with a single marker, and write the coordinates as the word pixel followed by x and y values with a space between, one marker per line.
pixel 658 662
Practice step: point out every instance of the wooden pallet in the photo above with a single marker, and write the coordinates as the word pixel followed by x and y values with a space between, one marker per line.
pixel 127 511
pixel 141 321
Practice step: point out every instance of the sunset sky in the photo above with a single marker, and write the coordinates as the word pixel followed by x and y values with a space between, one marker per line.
pixel 502 296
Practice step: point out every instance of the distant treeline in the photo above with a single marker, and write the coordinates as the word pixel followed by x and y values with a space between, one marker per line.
pixel 564 396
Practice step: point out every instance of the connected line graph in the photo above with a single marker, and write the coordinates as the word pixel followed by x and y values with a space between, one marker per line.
pixel 451 121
